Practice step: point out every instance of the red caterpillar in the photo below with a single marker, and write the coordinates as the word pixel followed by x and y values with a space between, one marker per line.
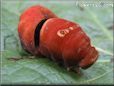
pixel 42 32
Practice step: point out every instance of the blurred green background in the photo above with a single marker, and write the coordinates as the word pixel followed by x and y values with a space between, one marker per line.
pixel 96 19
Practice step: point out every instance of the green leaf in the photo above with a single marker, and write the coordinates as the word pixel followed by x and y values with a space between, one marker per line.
pixel 18 67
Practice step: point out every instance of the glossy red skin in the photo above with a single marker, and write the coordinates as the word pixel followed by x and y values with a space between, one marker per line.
pixel 29 19
pixel 73 50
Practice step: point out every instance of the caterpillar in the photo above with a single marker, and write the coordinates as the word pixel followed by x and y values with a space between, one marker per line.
pixel 41 32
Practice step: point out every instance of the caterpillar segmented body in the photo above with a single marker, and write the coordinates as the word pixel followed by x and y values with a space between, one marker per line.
pixel 42 32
